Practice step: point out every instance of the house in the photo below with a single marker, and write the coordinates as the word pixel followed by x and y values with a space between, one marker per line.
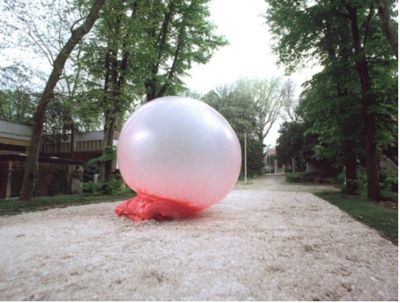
pixel 57 159
pixel 269 160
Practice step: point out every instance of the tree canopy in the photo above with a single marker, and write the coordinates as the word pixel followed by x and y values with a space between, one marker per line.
pixel 351 105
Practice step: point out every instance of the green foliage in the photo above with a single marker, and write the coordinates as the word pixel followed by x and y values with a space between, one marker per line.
pixel 146 47
pixel 298 177
pixel 384 220
pixel 15 206
pixel 335 120
pixel 389 182
pixel 387 195
pixel 251 107
pixel 331 109
pixel 361 181
pixel 308 177
pixel 90 168
pixel 109 154
pixel 17 105
pixel 354 187
pixel 92 187
pixel 255 156
pixel 112 187
pixel 237 108
pixel 293 142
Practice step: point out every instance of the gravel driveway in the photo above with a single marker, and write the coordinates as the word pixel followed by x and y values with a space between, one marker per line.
pixel 254 245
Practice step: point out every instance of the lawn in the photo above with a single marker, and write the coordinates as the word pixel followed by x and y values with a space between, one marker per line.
pixel 383 219
pixel 16 206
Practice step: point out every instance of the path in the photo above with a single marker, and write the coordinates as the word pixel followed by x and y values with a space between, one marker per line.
pixel 278 183
pixel 255 245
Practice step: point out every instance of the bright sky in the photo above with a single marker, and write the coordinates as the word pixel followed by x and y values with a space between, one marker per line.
pixel 249 53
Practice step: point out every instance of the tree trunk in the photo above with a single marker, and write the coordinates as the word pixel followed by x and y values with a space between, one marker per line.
pixel 350 164
pixel 368 99
pixel 341 59
pixel 150 87
pixel 40 112
pixel 115 81
pixel 72 147
pixel 109 129
pixel 388 27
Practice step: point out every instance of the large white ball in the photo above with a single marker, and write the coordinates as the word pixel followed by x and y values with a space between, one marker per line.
pixel 179 149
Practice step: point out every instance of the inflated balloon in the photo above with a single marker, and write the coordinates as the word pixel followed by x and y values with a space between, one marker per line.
pixel 180 156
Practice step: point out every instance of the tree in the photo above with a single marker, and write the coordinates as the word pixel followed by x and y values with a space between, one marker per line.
pixel 178 35
pixel 334 119
pixel 16 105
pixel 40 112
pixel 320 30
pixel 237 107
pixel 144 48
pixel 31 35
pixel 290 144
pixel 109 60
pixel 388 25
pixel 39 30
pixel 251 106
pixel 268 97
pixel 289 103
pixel 367 97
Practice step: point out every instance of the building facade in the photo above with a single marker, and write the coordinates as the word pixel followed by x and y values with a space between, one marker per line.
pixel 59 160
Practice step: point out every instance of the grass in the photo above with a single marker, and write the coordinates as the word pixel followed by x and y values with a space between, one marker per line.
pixel 382 219
pixel 16 206
pixel 389 195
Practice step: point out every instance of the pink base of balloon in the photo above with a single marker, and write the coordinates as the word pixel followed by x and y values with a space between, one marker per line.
pixel 144 207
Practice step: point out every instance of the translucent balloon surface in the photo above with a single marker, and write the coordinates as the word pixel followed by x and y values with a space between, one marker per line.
pixel 178 150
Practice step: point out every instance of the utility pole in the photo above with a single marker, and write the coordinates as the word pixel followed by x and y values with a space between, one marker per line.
pixel 293 164
pixel 245 158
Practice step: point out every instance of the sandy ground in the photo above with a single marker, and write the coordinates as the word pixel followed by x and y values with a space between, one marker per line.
pixel 256 244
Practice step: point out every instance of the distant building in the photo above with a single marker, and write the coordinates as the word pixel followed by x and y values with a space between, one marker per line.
pixel 57 160
pixel 270 152
pixel 269 160
pixel 86 146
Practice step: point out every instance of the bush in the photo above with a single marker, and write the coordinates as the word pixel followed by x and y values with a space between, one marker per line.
pixel 361 181
pixel 294 177
pixel 309 177
pixel 89 170
pixel 92 187
pixel 389 182
pixel 300 177
pixel 114 186
pixel 347 186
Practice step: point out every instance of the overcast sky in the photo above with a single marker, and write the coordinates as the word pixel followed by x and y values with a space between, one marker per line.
pixel 249 53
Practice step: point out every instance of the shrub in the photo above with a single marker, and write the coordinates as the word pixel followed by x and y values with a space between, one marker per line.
pixel 90 168
pixel 300 177
pixel 362 181
pixel 92 187
pixel 389 182
pixel 293 177
pixel 114 186
pixel 309 177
